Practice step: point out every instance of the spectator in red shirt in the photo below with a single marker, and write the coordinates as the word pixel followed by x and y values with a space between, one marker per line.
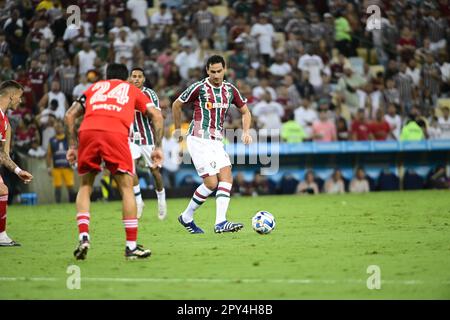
pixel 406 45
pixel 360 130
pixel 28 94
pixel 38 80
pixel 380 128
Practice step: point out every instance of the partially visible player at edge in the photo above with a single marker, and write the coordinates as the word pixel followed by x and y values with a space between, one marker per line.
pixel 10 97
pixel 108 107
pixel 212 97
pixel 142 145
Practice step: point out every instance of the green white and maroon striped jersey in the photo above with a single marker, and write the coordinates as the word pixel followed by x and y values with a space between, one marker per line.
pixel 141 131
pixel 210 107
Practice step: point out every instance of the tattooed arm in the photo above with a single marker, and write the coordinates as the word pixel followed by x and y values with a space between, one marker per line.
pixel 74 112
pixel 8 163
pixel 157 123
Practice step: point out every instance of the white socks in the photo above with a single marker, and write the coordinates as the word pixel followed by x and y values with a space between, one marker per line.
pixel 199 197
pixel 137 194
pixel 161 195
pixel 222 201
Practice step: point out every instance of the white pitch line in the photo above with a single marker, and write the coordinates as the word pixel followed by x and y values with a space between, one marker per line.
pixel 206 280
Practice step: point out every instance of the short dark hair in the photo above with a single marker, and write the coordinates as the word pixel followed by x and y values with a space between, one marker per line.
pixel 10 84
pixel 137 69
pixel 215 59
pixel 116 71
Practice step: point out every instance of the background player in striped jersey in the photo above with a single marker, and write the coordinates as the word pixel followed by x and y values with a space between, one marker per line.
pixel 142 145
pixel 212 97
pixel 10 97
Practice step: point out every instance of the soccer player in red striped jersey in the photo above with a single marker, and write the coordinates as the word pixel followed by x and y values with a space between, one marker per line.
pixel 10 97
pixel 108 107
pixel 142 144
pixel 212 97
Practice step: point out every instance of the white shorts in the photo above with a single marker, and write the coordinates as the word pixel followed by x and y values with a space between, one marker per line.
pixel 144 151
pixel 208 156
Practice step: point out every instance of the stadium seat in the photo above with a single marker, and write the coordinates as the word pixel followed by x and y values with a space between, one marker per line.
pixel 413 181
pixel 280 39
pixel 373 70
pixel 320 183
pixel 288 184
pixel 388 181
pixel 363 53
pixel 372 183
pixel 219 11
pixel 441 103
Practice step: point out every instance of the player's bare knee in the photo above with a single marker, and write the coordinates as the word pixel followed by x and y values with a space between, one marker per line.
pixel 211 182
pixel 3 189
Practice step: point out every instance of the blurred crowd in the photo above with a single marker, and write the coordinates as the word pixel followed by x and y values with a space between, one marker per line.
pixel 311 70
pixel 336 183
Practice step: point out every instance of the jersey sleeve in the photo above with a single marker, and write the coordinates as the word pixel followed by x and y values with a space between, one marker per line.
pixel 84 96
pixel 154 97
pixel 238 100
pixel 143 101
pixel 3 127
pixel 191 93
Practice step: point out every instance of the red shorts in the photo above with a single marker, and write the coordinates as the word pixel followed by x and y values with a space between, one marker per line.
pixel 112 148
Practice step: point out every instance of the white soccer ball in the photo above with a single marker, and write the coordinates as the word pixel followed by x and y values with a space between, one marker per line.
pixel 263 222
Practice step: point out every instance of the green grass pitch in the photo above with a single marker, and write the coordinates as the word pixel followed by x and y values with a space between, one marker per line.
pixel 320 249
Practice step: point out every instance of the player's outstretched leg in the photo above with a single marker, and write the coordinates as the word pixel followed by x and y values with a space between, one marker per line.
pixel 222 201
pixel 133 251
pixel 187 217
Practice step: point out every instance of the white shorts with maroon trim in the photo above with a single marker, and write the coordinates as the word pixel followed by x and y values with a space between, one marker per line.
pixel 208 156
pixel 145 151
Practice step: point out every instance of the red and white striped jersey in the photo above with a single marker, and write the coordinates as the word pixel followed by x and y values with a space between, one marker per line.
pixel 210 107
pixel 141 131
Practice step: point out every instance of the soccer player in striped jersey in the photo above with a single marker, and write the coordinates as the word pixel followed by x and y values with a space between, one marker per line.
pixel 212 97
pixel 142 145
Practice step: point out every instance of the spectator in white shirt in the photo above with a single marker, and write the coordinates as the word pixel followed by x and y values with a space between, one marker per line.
pixel 81 87
pixel 172 158
pixel 313 64
pixel 186 60
pixel 138 10
pixel 305 116
pixel 433 130
pixel 359 183
pixel 264 33
pixel 258 91
pixel 162 17
pixel 123 48
pixel 85 58
pixel 394 121
pixel 280 67
pixel 413 71
pixel 135 35
pixel 118 26
pixel 268 115
pixel 444 122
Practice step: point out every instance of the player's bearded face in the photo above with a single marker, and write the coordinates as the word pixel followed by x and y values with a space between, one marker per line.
pixel 216 73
